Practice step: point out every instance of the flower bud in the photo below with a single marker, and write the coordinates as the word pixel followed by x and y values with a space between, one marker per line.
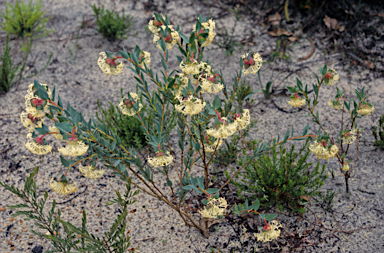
pixel 157 23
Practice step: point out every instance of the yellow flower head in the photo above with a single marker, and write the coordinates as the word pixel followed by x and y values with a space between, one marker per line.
pixel 252 65
pixel 335 104
pixel 36 106
pixel 331 77
pixel 243 120
pixel 365 109
pixel 62 188
pixel 210 84
pixel 109 66
pixel 90 171
pixel 154 25
pixel 74 148
pixel 297 101
pixel 206 27
pixel 349 137
pixel 126 106
pixel 271 234
pixel 54 129
pixel 36 148
pixel 160 159
pixel 31 122
pixel 223 130
pixel 144 57
pixel 321 150
pixel 192 68
pixel 190 105
pixel 31 91
pixel 170 40
pixel 214 208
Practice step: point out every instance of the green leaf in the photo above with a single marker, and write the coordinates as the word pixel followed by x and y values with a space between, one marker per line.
pixel 65 127
pixel 269 217
pixel 249 95
pixel 64 162
pixel 42 93
pixel 217 102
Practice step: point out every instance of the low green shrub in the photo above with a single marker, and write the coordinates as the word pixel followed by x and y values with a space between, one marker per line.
pixel 285 182
pixel 25 20
pixel 379 136
pixel 128 129
pixel 111 25
pixel 7 69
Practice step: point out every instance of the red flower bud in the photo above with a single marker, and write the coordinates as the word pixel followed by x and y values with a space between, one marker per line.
pixel 328 75
pixel 38 102
pixel 157 23
pixel 39 140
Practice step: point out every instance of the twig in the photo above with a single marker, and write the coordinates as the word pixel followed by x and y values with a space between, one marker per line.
pixel 312 52
pixel 86 187
pixel 4 150
pixel 358 59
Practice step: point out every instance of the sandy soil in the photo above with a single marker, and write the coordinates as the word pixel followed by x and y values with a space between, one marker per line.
pixel 155 227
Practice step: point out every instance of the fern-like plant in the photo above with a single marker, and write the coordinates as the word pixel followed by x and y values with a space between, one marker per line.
pixel 285 182
pixel 7 69
pixel 25 20
pixel 64 236
pixel 111 25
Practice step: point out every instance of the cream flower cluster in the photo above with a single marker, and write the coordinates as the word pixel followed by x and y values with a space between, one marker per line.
pixel 34 112
pixel 152 27
pixel 214 208
pixel 210 25
pixel 192 68
pixel 223 131
pixel 338 106
pixel 62 188
pixel 169 45
pixel 255 66
pixel 350 137
pixel 128 109
pixel 74 148
pixel 270 234
pixel 31 122
pixel 90 171
pixel 190 106
pixel 54 129
pixel 365 109
pixel 244 120
pixel 297 102
pixel 37 148
pixel 160 160
pixel 322 152
pixel 210 147
pixel 107 68
pixel 334 77
pixel 146 59
pixel 207 86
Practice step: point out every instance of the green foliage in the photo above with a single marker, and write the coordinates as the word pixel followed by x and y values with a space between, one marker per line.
pixel 127 128
pixel 71 238
pixel 7 70
pixel 379 142
pixel 25 20
pixel 243 91
pixel 283 182
pixel 227 155
pixel 111 25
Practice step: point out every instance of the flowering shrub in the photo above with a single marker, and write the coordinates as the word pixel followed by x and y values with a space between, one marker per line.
pixel 201 126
